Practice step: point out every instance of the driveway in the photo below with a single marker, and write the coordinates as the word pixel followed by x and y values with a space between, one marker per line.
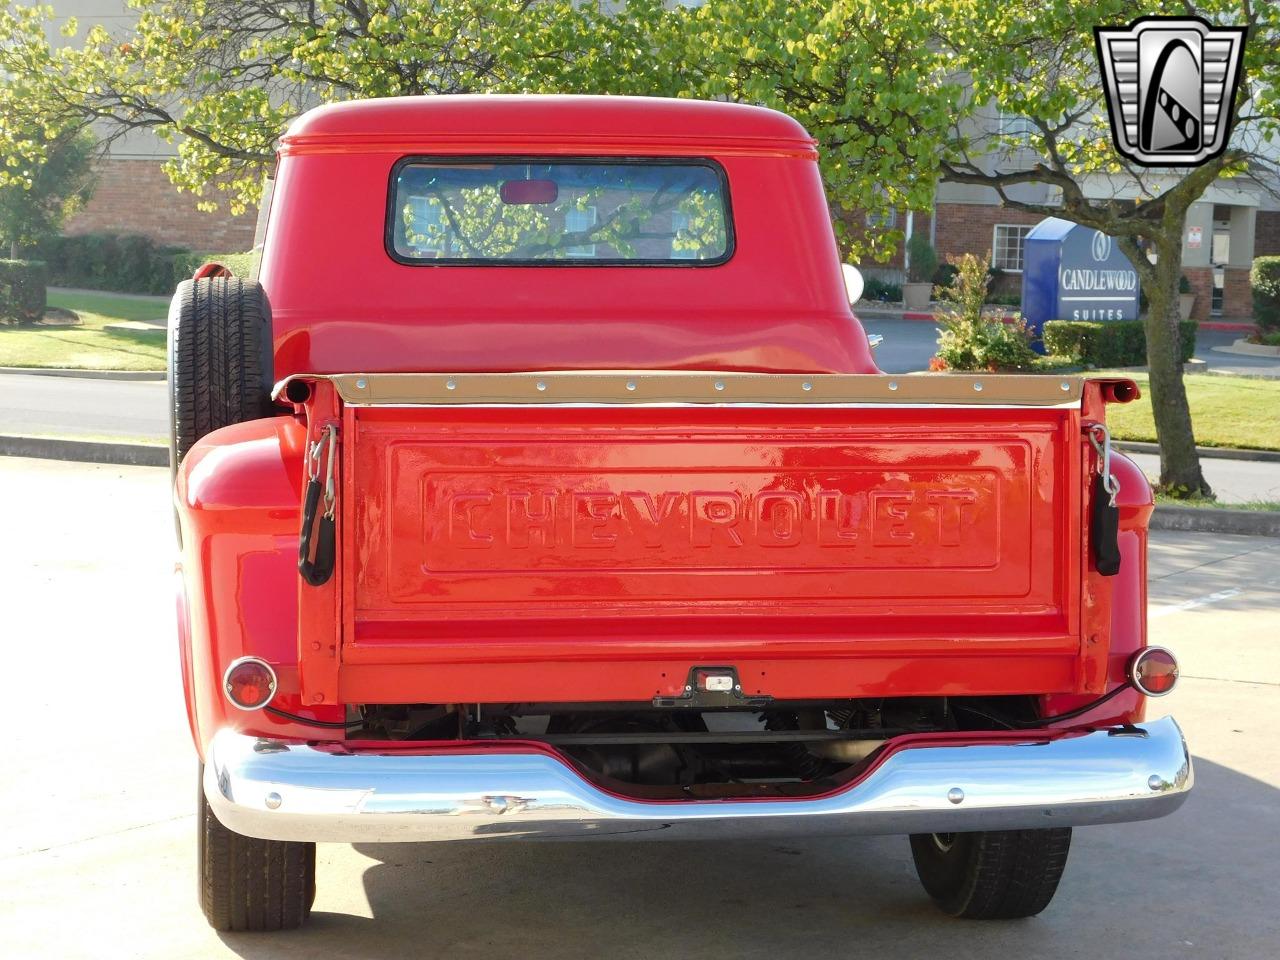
pixel 98 839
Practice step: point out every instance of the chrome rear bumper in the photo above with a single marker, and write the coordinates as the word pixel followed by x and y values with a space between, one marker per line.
pixel 289 791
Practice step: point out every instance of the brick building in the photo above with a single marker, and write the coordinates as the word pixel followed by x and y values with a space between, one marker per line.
pixel 133 195
pixel 1231 225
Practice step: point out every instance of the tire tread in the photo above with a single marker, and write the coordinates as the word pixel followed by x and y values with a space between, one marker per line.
pixel 219 358
pixel 247 884
pixel 994 875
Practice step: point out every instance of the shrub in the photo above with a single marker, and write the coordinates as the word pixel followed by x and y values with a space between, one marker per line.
pixel 874 289
pixel 1005 299
pixel 924 259
pixel 23 287
pixel 1264 278
pixel 945 275
pixel 1121 343
pixel 969 340
pixel 128 263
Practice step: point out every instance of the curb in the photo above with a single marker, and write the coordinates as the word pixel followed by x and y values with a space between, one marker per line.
pixel 85 451
pixel 1228 326
pixel 1257 523
pixel 1197 519
pixel 1213 453
pixel 913 316
pixel 86 374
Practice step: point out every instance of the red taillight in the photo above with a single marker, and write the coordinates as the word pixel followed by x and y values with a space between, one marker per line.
pixel 249 683
pixel 1154 671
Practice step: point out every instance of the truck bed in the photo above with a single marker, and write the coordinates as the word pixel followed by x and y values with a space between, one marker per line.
pixel 593 537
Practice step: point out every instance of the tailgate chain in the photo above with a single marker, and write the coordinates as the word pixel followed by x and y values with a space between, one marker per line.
pixel 316 568
pixel 1104 527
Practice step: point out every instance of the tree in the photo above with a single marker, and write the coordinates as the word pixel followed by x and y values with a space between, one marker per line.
pixel 222 78
pixel 904 94
pixel 38 196
pixel 901 94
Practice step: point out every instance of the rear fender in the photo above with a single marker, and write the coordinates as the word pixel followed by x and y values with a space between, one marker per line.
pixel 238 497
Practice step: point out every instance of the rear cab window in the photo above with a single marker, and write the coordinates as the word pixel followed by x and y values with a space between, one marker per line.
pixel 566 212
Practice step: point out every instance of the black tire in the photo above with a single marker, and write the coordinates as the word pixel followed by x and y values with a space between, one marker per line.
pixel 997 875
pixel 220 359
pixel 248 884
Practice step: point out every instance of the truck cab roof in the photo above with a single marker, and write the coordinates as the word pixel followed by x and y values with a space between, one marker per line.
pixel 350 289
pixel 526 122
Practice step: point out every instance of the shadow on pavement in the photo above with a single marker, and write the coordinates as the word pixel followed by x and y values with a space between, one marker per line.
pixel 1200 882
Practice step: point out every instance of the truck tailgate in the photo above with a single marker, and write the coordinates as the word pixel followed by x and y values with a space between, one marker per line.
pixel 862 525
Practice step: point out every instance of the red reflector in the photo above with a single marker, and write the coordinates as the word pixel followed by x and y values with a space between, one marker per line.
pixel 1154 671
pixel 529 191
pixel 249 683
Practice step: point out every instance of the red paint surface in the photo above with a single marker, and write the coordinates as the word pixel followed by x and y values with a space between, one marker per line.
pixel 559 554
pixel 340 304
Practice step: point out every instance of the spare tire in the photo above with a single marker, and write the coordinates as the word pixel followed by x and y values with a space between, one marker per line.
pixel 220 359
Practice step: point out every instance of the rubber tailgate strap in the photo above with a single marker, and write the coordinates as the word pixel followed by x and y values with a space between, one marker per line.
pixel 316 566
pixel 1104 524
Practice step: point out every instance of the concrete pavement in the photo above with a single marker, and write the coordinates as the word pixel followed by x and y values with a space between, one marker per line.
pixel 97 843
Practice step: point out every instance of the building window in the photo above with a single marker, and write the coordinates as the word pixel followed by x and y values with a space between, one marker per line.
pixel 886 221
pixel 1014 125
pixel 579 221
pixel 679 226
pixel 1007 245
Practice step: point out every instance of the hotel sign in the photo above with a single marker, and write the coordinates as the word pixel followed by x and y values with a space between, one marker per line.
pixel 1073 272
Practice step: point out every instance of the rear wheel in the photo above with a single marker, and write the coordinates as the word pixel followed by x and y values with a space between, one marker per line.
pixel 220 360
pixel 996 875
pixel 250 884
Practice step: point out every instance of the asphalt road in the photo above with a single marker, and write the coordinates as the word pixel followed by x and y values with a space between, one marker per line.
pixel 97 842
pixel 908 345
pixel 131 410
pixel 74 407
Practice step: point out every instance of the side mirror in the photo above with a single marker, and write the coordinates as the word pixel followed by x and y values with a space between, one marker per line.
pixel 853 283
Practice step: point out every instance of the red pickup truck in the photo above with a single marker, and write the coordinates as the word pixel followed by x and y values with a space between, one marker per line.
pixel 544 485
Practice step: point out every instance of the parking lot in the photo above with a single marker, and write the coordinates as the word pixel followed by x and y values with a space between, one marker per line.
pixel 97 843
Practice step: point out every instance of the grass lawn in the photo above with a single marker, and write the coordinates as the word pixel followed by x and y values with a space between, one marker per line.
pixel 112 305
pixel 83 347
pixel 1225 411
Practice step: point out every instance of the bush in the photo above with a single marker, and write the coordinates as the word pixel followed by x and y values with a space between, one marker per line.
pixel 924 259
pixel 968 339
pixel 945 275
pixel 1005 299
pixel 23 287
pixel 128 263
pixel 1121 343
pixel 1264 278
pixel 874 289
